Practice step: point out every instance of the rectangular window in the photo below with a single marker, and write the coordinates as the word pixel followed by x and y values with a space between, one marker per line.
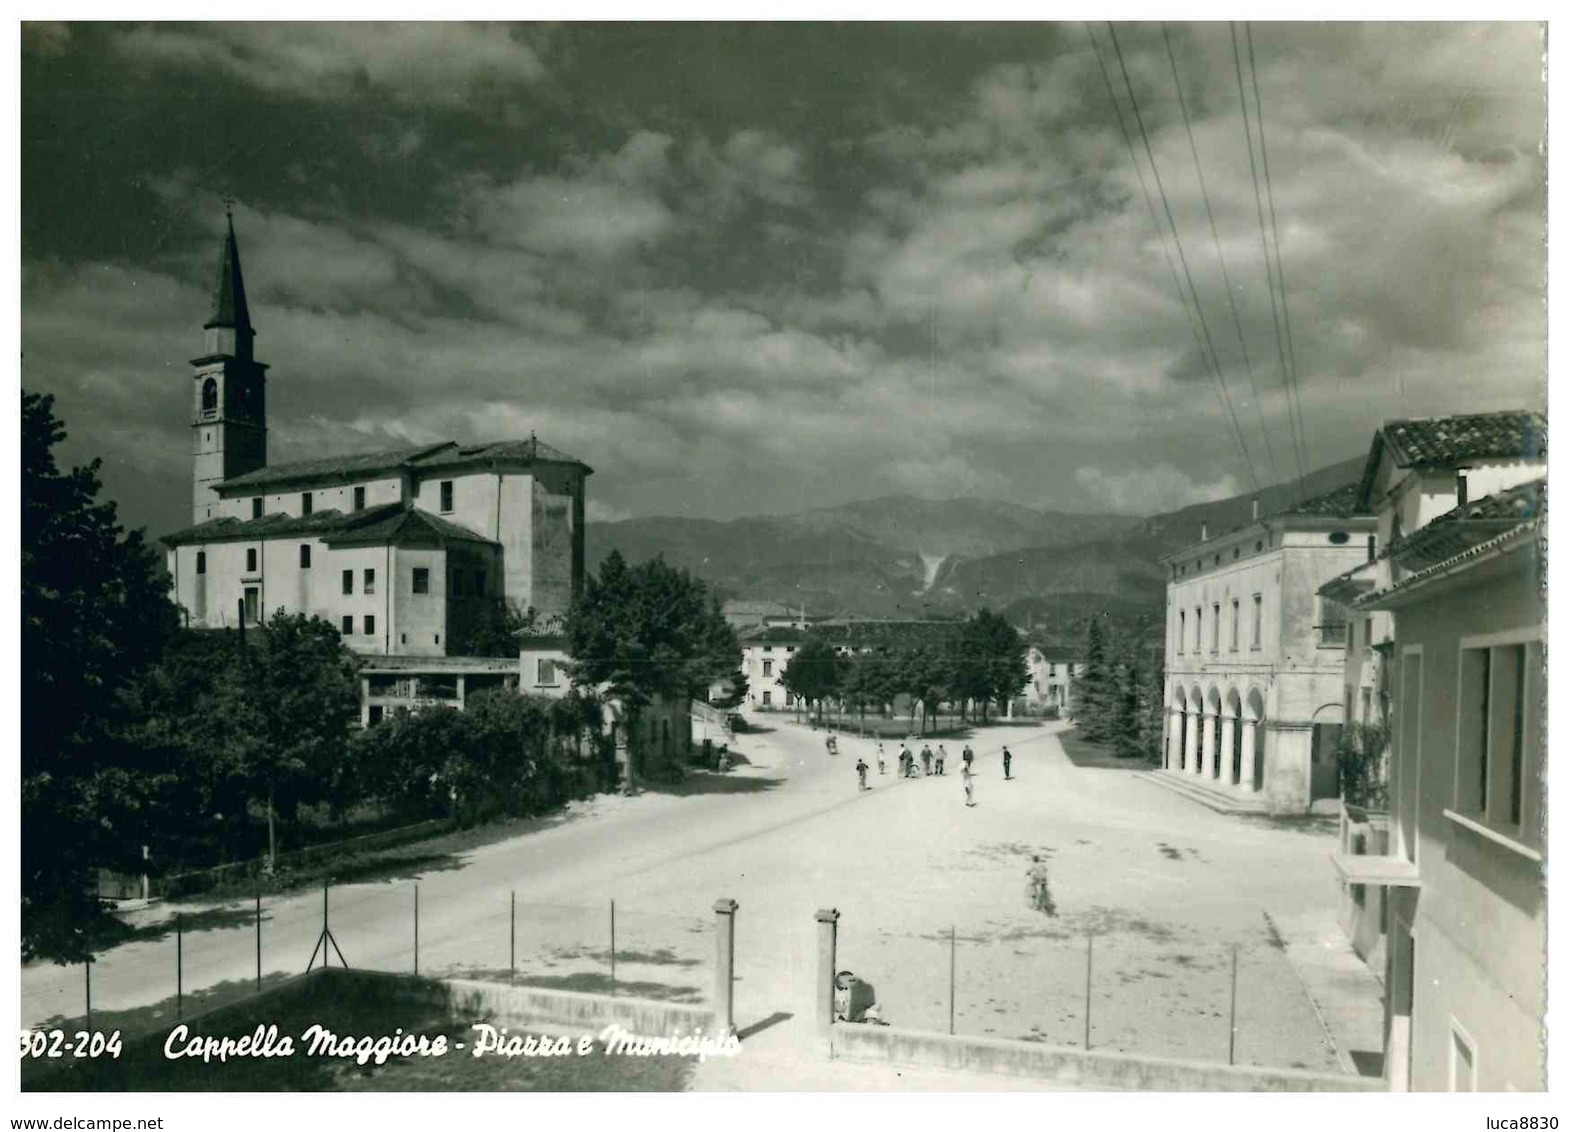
pixel 768 698
pixel 201 562
pixel 348 626
pixel 1258 621
pixel 1367 634
pixel 305 503
pixel 1367 706
pixel 1236 617
pixel 457 583
pixel 359 499
pixel 348 581
pixel 1333 621
pixel 421 580
pixel 768 668
pixel 250 560
pixel 1491 751
pixel 376 713
pixel 1198 629
pixel 1182 630
pixel 370 625
pixel 370 582
pixel 305 556
pixel 256 507
pixel 545 675
pixel 446 495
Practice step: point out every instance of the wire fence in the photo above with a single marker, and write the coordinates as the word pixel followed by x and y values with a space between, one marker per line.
pixel 196 959
pixel 1117 991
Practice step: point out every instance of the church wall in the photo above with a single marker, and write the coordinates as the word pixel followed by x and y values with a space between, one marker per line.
pixel 556 538
pixel 516 536
pixel 420 620
pixel 359 604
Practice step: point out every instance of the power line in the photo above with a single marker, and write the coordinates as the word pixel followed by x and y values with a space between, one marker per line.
pixel 1280 267
pixel 1269 271
pixel 1182 257
pixel 1214 231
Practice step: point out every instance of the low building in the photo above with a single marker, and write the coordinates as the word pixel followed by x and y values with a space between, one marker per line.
pixel 1464 868
pixel 1050 686
pixel 1255 655
pixel 765 654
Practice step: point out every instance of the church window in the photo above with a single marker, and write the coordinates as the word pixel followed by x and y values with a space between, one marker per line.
pixel 305 556
pixel 370 582
pixel 201 562
pixel 209 396
pixel 370 625
pixel 421 580
pixel 348 626
pixel 446 495
pixel 348 581
pixel 250 559
pixel 359 499
pixel 256 507
pixel 305 503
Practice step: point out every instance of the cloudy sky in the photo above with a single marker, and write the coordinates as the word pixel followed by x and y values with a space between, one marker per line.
pixel 743 269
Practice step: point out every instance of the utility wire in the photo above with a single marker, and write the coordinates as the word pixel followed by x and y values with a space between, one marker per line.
pixel 1225 275
pixel 1176 236
pixel 1280 267
pixel 1269 271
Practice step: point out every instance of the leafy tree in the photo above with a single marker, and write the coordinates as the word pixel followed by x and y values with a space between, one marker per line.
pixel 923 676
pixel 814 671
pixel 648 631
pixel 95 612
pixel 495 629
pixel 736 687
pixel 999 658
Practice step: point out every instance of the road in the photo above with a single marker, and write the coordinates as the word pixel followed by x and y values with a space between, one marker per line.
pixel 1166 886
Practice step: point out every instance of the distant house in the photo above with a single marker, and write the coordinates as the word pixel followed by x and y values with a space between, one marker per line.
pixel 765 654
pixel 1051 680
pixel 1255 655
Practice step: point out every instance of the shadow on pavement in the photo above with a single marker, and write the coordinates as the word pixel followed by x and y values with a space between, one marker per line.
pixel 710 782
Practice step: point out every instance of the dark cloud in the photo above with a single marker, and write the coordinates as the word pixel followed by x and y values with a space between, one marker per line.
pixel 756 267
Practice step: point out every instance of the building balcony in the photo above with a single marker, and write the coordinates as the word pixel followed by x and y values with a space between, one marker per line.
pixel 1375 870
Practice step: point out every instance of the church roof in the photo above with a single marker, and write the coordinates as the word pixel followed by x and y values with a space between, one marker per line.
pixel 446 456
pixel 389 523
pixel 229 308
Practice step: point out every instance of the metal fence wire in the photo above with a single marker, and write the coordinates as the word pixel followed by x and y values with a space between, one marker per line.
pixel 183 960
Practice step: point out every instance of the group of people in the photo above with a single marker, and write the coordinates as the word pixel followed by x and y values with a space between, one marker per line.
pixel 930 763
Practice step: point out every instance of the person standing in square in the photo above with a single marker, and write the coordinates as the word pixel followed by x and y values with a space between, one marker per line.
pixel 1007 763
pixel 969 786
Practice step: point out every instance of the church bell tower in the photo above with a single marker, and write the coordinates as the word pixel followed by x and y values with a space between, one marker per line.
pixel 229 394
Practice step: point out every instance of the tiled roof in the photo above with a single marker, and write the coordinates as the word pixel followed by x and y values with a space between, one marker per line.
pixel 1341 503
pixel 332 467
pixel 390 522
pixel 1450 440
pixel 445 456
pixel 1514 538
pixel 405 526
pixel 505 451
pixel 1460 528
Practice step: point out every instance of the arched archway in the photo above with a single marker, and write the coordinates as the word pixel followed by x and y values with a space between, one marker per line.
pixel 1253 745
pixel 209 395
pixel 1177 730
pixel 1194 729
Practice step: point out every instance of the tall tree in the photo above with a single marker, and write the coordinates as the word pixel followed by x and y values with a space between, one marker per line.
pixel 95 612
pixel 1094 690
pixel 647 631
pixel 814 671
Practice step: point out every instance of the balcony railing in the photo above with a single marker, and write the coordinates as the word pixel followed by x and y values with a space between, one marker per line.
pixel 1332 635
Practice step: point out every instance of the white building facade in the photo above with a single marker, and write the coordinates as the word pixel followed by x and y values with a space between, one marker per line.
pixel 1255 656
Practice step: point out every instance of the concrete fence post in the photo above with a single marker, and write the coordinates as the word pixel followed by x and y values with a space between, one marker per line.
pixel 724 965
pixel 827 962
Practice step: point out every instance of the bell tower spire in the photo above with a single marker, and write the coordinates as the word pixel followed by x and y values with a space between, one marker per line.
pixel 229 409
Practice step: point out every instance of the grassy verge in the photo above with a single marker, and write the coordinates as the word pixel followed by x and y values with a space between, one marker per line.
pixel 1096 756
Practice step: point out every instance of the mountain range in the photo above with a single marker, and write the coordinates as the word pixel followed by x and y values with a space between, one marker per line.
pixel 900 556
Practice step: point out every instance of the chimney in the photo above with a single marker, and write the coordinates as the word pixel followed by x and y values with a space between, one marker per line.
pixel 1203 532
pixel 1460 487
pixel 1255 510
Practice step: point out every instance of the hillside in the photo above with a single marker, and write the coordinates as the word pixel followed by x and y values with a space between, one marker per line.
pixel 903 556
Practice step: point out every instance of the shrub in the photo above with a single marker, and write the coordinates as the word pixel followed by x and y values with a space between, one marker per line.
pixel 1360 756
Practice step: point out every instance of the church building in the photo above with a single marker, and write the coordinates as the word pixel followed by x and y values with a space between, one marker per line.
pixel 404 549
